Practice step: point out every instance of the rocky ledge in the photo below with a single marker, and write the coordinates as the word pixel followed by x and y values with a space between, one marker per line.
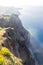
pixel 14 39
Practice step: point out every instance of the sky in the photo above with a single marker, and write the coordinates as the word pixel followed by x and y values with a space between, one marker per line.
pixel 21 3
pixel 32 16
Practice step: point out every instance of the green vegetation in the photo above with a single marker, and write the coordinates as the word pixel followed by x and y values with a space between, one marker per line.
pixel 5 51
pixel 8 62
pixel 6 57
pixel 1 59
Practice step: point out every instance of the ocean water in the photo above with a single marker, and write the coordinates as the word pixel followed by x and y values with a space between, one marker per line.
pixel 32 19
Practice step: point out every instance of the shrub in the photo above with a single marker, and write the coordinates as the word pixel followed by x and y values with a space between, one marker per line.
pixel 17 61
pixel 8 62
pixel 5 51
pixel 0 48
pixel 1 59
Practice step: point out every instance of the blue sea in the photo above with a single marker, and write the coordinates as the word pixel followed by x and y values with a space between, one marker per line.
pixel 32 19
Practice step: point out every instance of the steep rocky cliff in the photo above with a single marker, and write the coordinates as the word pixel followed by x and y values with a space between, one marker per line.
pixel 14 39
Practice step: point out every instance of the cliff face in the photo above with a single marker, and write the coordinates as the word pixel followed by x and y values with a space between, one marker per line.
pixel 14 37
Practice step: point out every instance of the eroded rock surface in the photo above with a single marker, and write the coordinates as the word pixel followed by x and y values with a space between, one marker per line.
pixel 15 37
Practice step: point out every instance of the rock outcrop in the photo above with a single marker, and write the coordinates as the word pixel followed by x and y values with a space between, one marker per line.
pixel 14 37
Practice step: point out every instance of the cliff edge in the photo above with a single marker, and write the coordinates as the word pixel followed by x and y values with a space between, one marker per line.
pixel 13 40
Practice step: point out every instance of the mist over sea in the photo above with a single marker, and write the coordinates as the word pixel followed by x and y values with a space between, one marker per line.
pixel 32 19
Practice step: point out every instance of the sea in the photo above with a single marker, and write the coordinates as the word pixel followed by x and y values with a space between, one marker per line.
pixel 32 19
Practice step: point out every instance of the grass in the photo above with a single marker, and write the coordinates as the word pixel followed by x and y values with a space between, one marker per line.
pixel 5 51
pixel 2 31
pixel 6 56
pixel 1 59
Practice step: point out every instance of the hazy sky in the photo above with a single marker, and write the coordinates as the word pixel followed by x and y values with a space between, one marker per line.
pixel 33 16
pixel 21 3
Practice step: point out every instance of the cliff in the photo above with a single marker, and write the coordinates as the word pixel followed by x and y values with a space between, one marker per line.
pixel 14 39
